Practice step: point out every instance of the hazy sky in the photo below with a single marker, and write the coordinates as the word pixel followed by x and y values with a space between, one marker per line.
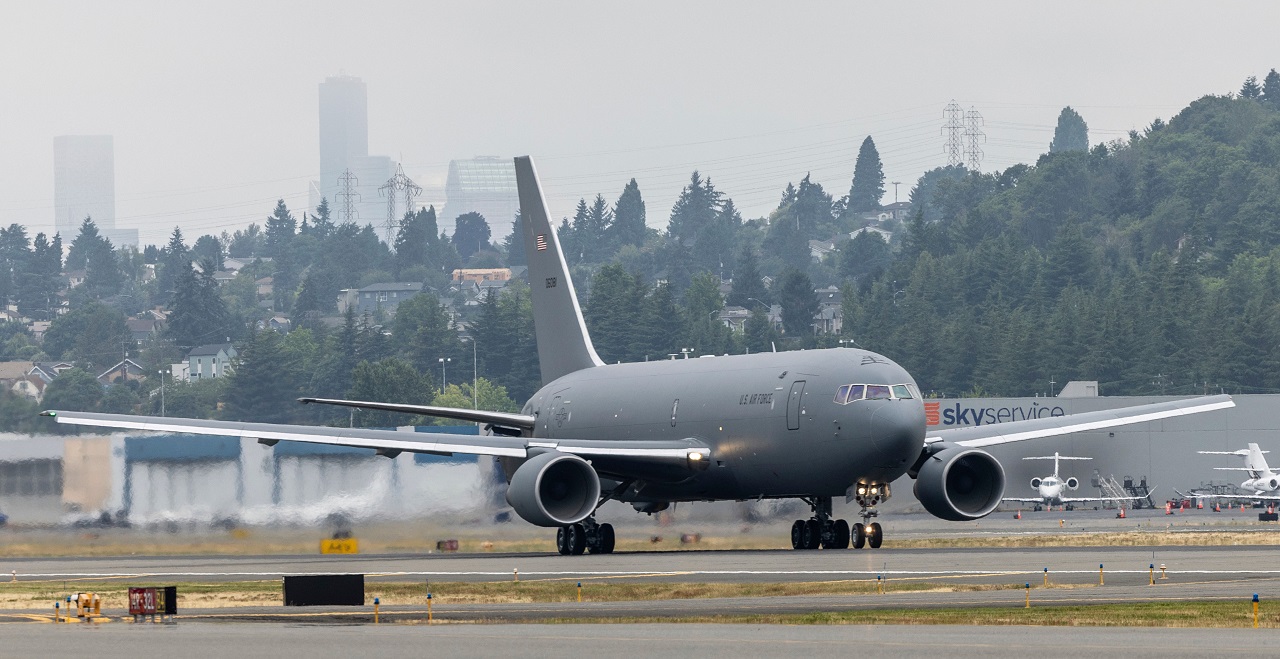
pixel 213 106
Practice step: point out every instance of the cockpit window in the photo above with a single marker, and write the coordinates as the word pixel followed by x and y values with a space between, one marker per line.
pixel 877 391
pixel 901 391
pixel 842 395
pixel 856 391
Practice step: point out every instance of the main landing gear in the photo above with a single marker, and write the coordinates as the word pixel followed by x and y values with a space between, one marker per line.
pixel 820 530
pixel 585 536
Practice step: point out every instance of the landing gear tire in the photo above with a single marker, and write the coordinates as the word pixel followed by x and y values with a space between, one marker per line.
pixel 859 535
pixel 576 539
pixel 797 534
pixel 604 540
pixel 562 541
pixel 875 535
pixel 839 535
pixel 812 535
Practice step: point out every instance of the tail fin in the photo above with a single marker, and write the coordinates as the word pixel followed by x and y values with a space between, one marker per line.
pixel 563 343
pixel 1255 462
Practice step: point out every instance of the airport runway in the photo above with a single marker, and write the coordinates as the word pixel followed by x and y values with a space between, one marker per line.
pixel 625 640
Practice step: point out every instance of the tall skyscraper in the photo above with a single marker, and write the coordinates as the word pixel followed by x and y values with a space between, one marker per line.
pixel 344 131
pixel 84 185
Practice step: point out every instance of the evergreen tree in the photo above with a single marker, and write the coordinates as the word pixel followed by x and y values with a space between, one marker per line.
pixel 75 389
pixel 628 226
pixel 37 281
pixel 102 272
pixel 799 302
pixel 868 180
pixel 321 222
pixel 422 333
pixel 1271 89
pixel 612 312
pixel 174 263
pixel 415 239
pixel 748 285
pixel 514 242
pixel 197 315
pixel 758 333
pixel 804 215
pixel 208 248
pixel 282 228
pixel 86 242
pixel 867 254
pixel 94 335
pixel 695 210
pixel 660 325
pixel 471 235
pixel 389 380
pixel 1250 88
pixel 265 381
pixel 1071 134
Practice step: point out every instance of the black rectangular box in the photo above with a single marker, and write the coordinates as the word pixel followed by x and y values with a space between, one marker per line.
pixel 331 590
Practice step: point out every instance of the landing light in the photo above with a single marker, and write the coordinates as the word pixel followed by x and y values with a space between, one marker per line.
pixel 873 490
pixel 862 489
pixel 695 456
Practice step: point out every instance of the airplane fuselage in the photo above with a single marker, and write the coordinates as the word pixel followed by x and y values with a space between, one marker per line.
pixel 772 420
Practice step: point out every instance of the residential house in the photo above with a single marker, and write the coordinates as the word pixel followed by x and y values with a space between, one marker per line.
pixel 142 329
pixel 818 249
pixel 210 361
pixel 13 376
pixel 279 323
pixel 224 277
pixel 735 318
pixel 385 296
pixel 75 278
pixel 126 371
pixel 49 371
pixel 829 320
pixel 266 286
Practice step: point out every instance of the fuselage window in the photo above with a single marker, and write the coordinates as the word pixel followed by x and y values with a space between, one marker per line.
pixel 877 392
pixel 842 395
pixel 901 391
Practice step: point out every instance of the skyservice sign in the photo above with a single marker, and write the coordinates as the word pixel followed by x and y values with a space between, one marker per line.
pixel 962 414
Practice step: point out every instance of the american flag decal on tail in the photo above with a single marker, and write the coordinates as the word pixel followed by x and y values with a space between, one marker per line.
pixel 542 242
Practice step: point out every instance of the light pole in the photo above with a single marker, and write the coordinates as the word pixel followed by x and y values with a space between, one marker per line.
pixel 443 381
pixel 161 372
pixel 686 352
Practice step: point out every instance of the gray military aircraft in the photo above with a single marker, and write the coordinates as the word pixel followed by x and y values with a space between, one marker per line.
pixel 812 425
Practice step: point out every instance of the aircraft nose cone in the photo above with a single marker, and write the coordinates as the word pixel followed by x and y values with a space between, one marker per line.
pixel 897 430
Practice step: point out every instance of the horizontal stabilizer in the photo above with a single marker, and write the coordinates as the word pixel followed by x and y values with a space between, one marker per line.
pixel 525 421
pixel 1055 457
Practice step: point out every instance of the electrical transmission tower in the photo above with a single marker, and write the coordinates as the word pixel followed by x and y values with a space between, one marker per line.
pixel 347 196
pixel 973 137
pixel 396 185
pixel 953 130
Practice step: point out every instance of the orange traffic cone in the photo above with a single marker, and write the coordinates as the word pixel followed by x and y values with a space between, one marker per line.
pixel 1168 507
pixel 1121 515
pixel 1199 504
pixel 1018 515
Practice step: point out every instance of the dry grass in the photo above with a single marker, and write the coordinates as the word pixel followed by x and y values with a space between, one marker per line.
pixel 25 595
pixel 1235 614
pixel 1160 538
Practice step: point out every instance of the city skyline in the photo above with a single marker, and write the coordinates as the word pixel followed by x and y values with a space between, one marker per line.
pixel 207 137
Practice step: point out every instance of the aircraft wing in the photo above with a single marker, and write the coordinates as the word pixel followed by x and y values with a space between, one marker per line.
pixel 482 416
pixel 1246 497
pixel 624 459
pixel 1018 431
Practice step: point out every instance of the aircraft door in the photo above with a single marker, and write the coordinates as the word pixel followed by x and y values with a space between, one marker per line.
pixel 793 405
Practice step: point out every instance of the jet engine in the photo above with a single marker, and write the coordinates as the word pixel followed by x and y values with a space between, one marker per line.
pixel 959 484
pixel 1073 483
pixel 1035 483
pixel 554 489
pixel 1262 484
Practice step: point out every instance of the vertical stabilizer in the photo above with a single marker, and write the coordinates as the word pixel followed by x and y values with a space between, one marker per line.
pixel 563 343
pixel 1255 462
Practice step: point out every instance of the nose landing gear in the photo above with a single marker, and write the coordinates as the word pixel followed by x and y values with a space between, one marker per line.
pixel 867 532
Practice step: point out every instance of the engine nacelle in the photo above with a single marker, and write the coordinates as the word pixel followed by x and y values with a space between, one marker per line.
pixel 554 489
pixel 1073 483
pixel 1035 483
pixel 1261 484
pixel 960 484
